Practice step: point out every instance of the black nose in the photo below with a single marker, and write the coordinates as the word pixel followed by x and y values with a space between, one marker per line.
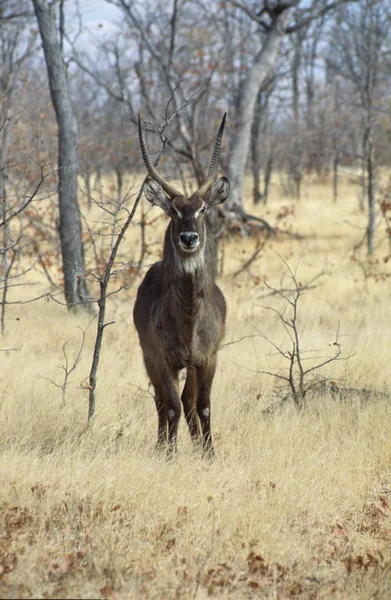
pixel 188 238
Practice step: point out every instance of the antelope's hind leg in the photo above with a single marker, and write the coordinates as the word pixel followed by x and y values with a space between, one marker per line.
pixel 189 401
pixel 205 379
pixel 161 409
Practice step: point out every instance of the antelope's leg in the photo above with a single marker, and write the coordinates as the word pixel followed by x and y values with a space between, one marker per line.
pixel 173 403
pixel 205 380
pixel 189 401
pixel 168 406
pixel 169 411
pixel 162 421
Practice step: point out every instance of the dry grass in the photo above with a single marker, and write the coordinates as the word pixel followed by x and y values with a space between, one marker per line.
pixel 296 505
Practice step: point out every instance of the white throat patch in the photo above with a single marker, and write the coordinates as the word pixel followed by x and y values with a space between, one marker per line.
pixel 190 264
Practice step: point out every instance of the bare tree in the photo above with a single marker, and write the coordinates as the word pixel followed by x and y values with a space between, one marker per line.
pixel 312 46
pixel 87 109
pixel 68 366
pixel 172 63
pixel 75 284
pixel 258 75
pixel 360 43
pixel 262 151
pixel 337 135
pixel 104 279
pixel 17 42
pixel 296 155
pixel 299 376
pixel 274 22
pixel 160 50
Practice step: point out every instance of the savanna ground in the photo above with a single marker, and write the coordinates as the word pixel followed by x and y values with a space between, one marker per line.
pixel 295 505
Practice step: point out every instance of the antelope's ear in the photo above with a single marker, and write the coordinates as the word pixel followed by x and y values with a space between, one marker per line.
pixel 218 193
pixel 156 195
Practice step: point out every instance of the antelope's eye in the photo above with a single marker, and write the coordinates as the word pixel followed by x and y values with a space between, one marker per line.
pixel 202 210
pixel 176 212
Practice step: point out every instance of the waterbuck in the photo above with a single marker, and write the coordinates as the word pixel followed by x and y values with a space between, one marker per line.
pixel 180 312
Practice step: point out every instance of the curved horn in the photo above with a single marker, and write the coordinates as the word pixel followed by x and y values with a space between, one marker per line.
pixel 214 162
pixel 169 189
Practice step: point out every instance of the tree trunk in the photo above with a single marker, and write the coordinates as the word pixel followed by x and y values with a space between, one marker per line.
pixel 263 68
pixel 75 285
pixel 98 179
pixel 335 176
pixel 256 155
pixel 371 174
pixel 118 173
pixel 295 162
pixel 87 183
pixel 5 232
pixel 336 133
pixel 257 194
pixel 363 191
pixel 268 175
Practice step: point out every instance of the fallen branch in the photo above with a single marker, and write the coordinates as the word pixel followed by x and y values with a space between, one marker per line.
pixel 337 393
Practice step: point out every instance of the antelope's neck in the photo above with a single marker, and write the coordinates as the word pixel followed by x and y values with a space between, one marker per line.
pixel 189 281
pixel 186 291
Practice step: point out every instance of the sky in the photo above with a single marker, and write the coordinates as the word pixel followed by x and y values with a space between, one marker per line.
pixel 97 12
pixel 100 19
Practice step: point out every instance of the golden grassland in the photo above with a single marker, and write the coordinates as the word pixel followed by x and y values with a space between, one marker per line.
pixel 295 505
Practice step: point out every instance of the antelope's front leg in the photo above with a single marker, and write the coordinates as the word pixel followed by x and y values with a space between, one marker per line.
pixel 166 385
pixel 169 410
pixel 205 380
pixel 189 401
pixel 173 405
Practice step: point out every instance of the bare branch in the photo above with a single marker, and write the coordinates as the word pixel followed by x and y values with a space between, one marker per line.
pixel 68 368
pixel 297 378
pixel 27 202
pixel 246 337
pixel 316 11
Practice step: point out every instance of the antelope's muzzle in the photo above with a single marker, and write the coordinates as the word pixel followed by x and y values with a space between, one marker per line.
pixel 189 240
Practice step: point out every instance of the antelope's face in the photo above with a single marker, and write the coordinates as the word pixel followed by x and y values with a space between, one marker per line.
pixel 188 223
pixel 188 231
pixel 187 215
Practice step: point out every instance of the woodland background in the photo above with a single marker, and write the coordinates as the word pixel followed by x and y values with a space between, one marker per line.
pixel 297 503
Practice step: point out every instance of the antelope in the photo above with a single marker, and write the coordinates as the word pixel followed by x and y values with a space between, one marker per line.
pixel 180 312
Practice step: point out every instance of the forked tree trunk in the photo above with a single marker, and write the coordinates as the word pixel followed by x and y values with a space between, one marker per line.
pixel 264 66
pixel 75 285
